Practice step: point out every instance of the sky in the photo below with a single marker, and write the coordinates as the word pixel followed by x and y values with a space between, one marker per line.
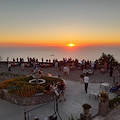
pixel 59 22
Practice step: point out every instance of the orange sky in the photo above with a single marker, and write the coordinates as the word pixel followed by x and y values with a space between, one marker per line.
pixel 58 40
pixel 45 23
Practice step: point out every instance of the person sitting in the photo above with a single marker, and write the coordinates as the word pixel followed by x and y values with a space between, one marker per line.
pixel 115 87
pixel 40 72
pixel 47 89
pixel 61 88
pixel 53 88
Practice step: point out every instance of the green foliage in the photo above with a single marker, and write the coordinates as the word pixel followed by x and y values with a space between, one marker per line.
pixel 86 106
pixel 107 58
pixel 114 101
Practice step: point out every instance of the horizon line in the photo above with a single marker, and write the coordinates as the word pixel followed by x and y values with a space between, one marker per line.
pixel 60 45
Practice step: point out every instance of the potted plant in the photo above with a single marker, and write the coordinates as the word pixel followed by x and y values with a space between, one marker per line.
pixel 103 104
pixel 86 108
pixel 104 97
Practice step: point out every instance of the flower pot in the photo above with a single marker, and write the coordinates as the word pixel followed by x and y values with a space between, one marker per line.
pixel 86 111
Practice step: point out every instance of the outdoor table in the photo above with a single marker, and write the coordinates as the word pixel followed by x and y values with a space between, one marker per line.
pixel 95 94
pixel 105 85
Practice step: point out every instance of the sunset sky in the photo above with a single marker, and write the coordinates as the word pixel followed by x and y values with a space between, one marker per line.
pixel 59 22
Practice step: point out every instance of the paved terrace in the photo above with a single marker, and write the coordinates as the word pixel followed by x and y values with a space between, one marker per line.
pixel 75 95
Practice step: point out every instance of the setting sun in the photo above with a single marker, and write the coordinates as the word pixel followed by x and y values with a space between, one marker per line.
pixel 71 45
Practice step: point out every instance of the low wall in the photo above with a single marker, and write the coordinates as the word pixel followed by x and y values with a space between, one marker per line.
pixel 23 101
pixel 104 109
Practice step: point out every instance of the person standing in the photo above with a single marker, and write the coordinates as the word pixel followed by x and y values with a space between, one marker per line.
pixel 7 60
pixel 111 70
pixel 9 66
pixel 17 60
pixel 86 81
pixel 92 65
pixel 105 66
pixel 22 66
pixel 42 60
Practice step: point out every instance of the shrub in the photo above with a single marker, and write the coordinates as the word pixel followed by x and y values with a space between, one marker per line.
pixel 104 96
pixel 113 101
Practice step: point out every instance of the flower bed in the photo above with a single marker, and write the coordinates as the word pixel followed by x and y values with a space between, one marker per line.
pixel 21 86
pixel 20 91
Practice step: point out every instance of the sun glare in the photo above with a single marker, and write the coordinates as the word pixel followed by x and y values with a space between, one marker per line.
pixel 71 45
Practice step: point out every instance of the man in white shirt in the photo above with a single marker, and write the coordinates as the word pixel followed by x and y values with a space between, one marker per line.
pixel 86 81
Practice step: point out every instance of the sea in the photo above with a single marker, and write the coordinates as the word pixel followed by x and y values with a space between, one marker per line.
pixel 85 52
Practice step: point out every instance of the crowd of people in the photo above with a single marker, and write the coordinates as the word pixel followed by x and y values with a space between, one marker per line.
pixel 67 64
pixel 58 88
pixel 115 87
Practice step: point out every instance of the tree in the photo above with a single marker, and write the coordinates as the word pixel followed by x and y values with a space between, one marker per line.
pixel 107 58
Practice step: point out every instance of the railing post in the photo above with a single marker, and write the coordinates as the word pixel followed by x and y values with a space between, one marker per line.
pixel 25 116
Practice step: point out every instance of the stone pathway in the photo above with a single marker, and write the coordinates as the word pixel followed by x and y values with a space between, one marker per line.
pixel 114 114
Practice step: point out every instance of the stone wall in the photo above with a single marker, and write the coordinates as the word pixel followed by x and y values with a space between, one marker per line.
pixel 23 101
pixel 105 108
